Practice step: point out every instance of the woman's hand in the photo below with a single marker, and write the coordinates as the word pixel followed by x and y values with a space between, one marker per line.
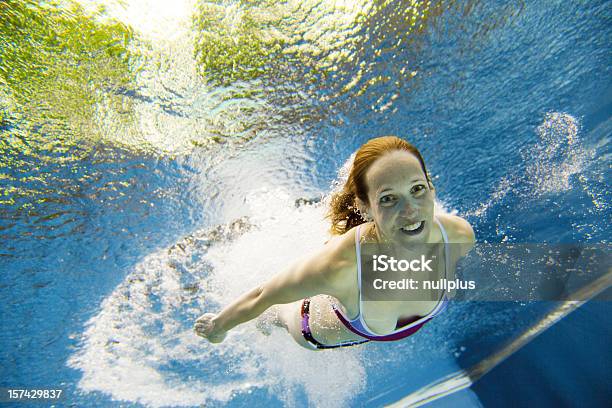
pixel 205 327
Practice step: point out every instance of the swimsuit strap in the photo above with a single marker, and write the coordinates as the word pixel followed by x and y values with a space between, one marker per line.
pixel 442 230
pixel 358 251
pixel 446 248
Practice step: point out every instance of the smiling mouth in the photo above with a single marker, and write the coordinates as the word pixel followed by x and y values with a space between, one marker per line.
pixel 413 229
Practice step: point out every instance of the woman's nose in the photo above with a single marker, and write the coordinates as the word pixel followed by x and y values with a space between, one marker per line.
pixel 409 210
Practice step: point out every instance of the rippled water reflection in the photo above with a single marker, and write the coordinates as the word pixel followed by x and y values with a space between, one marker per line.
pixel 127 126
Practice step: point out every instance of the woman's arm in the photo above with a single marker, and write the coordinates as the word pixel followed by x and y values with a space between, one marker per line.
pixel 310 277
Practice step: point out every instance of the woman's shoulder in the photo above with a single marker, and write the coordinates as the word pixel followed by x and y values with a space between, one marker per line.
pixel 458 229
pixel 341 249
pixel 342 264
pixel 336 254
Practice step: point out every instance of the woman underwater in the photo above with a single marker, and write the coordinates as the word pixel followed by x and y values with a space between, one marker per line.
pixel 388 198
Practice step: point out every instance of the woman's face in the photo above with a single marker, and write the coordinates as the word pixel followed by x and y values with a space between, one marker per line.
pixel 400 200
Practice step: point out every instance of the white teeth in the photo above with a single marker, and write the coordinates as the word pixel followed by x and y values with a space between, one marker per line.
pixel 412 227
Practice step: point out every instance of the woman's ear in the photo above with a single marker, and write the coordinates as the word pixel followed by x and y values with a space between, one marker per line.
pixel 364 209
pixel 361 206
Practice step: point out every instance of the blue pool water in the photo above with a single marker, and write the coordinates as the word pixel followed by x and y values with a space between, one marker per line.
pixel 130 206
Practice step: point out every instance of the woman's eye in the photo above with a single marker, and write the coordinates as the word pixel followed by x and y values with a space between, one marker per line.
pixel 387 199
pixel 418 188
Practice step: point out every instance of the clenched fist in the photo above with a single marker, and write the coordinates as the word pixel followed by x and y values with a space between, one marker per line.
pixel 205 327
